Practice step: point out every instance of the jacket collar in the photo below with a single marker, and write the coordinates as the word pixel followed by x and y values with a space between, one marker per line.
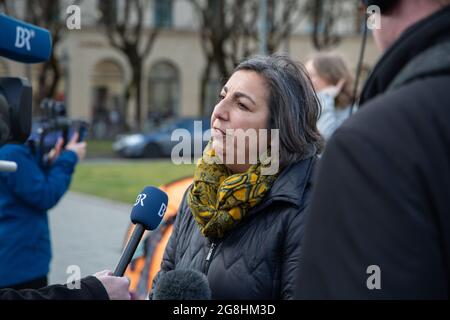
pixel 290 185
pixel 415 40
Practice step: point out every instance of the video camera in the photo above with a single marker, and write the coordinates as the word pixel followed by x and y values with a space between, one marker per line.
pixel 27 43
pixel 54 124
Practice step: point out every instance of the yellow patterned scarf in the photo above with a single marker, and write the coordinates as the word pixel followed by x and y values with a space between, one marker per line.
pixel 219 200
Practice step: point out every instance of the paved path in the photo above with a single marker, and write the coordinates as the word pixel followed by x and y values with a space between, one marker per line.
pixel 86 231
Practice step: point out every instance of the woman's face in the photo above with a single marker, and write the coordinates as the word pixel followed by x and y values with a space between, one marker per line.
pixel 316 80
pixel 243 104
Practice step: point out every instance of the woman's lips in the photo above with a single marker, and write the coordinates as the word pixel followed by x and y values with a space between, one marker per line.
pixel 218 133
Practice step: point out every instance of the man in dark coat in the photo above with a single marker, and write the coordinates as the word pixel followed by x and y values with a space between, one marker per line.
pixel 379 220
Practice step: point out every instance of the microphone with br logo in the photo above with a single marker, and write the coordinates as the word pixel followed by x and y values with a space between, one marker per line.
pixel 147 213
pixel 24 42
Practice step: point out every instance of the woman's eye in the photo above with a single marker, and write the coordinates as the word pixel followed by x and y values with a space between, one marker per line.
pixel 242 106
pixel 221 96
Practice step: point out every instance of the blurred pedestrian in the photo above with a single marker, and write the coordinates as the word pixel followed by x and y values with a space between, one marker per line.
pixel 333 82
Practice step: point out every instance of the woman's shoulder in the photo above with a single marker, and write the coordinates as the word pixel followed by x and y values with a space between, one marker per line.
pixel 183 210
pixel 291 190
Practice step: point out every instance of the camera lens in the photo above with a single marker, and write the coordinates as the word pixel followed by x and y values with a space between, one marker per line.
pixel 59 109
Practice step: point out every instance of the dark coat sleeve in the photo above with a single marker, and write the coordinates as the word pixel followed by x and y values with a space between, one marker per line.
pixel 90 289
pixel 368 211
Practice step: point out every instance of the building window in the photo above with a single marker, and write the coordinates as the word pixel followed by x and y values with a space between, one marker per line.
pixel 163 13
pixel 108 108
pixel 163 93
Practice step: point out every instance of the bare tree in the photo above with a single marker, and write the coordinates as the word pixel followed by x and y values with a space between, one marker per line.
pixel 46 14
pixel 125 30
pixel 218 20
pixel 283 16
pixel 228 30
pixel 326 15
pixel 6 6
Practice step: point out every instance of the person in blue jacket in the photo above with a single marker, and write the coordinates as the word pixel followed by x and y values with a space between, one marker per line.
pixel 25 197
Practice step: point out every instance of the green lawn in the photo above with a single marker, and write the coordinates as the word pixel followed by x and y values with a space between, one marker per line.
pixel 99 148
pixel 124 181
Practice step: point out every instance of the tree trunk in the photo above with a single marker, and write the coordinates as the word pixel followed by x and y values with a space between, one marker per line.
pixel 204 84
pixel 40 90
pixel 54 80
pixel 220 59
pixel 126 108
pixel 137 86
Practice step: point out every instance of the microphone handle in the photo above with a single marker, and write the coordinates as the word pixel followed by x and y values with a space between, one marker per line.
pixel 8 166
pixel 129 250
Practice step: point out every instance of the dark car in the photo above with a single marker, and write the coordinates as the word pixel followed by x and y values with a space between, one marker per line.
pixel 161 142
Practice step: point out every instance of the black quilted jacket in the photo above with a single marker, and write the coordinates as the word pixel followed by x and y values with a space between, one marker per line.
pixel 259 258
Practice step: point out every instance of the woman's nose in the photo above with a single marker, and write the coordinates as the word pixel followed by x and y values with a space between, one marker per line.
pixel 221 111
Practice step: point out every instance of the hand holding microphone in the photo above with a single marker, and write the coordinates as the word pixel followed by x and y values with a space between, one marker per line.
pixel 116 287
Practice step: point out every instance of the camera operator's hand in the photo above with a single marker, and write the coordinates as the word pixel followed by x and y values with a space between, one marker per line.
pixel 116 287
pixel 56 151
pixel 78 147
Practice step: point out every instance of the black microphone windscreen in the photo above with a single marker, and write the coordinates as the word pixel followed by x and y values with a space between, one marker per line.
pixel 182 285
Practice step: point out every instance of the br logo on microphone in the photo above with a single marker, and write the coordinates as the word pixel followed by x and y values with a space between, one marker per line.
pixel 140 199
pixel 162 210
pixel 23 36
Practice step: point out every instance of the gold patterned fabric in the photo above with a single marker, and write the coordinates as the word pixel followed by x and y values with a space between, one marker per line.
pixel 219 200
